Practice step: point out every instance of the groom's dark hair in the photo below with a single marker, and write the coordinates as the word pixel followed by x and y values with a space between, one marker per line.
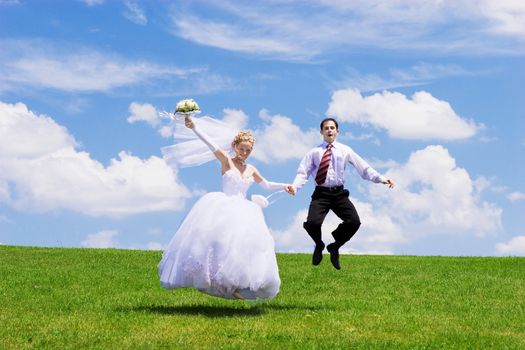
pixel 328 119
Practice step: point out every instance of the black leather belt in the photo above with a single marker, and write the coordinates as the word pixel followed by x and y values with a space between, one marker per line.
pixel 330 189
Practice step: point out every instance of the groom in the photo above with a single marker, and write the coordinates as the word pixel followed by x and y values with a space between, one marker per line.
pixel 326 163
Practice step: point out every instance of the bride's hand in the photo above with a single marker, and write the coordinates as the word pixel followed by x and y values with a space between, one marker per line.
pixel 188 122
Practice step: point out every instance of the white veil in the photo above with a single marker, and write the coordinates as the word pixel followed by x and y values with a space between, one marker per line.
pixel 190 150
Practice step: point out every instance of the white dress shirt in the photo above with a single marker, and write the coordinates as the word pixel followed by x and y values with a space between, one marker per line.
pixel 341 156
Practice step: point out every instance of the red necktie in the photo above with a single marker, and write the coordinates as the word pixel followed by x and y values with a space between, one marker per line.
pixel 320 178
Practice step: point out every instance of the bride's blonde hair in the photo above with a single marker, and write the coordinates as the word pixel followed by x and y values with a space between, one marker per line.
pixel 242 136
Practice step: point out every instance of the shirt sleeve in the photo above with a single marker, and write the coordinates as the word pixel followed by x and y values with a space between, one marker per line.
pixel 363 168
pixel 304 170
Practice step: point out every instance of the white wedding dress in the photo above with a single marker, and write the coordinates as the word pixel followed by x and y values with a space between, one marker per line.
pixel 223 247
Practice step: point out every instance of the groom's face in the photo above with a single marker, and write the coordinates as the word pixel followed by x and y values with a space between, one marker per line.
pixel 329 131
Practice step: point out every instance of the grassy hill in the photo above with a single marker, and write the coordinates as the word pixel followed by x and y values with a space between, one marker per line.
pixel 111 299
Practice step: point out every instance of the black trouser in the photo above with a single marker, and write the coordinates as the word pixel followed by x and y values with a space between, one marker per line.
pixel 335 199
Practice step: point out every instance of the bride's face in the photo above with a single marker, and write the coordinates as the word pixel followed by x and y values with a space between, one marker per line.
pixel 243 150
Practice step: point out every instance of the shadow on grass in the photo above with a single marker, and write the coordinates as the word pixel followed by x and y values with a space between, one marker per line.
pixel 216 311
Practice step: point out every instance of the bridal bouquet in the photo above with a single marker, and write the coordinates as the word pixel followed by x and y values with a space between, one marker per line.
pixel 187 106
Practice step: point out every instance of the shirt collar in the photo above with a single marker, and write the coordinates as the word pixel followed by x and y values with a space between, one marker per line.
pixel 324 144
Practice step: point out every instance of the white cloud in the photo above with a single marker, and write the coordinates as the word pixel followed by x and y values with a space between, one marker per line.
pixel 302 31
pixel 200 83
pixel 143 112
pixel 505 17
pixel 481 184
pixel 42 64
pixel 235 117
pixel 486 139
pixel 134 13
pixel 379 164
pixel 166 131
pixel 377 234
pixel 348 135
pixel 516 246
pixel 280 139
pixel 83 72
pixel 419 74
pixel 93 2
pixel 38 157
pixel 432 197
pixel 102 239
pixel 76 105
pixel 154 232
pixel 154 246
pixel 294 238
pixel 4 191
pixel 108 239
pixel 420 117
pixel 261 39
pixel 516 196
pixel 499 189
pixel 25 135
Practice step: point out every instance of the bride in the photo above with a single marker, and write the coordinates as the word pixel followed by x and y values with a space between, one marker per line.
pixel 223 246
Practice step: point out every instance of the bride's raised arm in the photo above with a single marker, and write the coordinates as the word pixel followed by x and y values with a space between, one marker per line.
pixel 220 154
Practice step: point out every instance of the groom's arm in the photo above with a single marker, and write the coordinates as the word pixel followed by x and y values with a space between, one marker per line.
pixel 302 174
pixel 363 168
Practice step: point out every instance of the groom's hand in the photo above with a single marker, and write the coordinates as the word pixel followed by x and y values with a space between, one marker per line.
pixel 290 189
pixel 389 182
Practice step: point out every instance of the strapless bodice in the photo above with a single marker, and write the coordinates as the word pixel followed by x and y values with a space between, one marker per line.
pixel 234 184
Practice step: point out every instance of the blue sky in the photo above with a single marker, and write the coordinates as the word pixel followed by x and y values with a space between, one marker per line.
pixel 430 93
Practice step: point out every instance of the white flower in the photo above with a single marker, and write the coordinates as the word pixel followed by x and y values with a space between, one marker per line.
pixel 187 106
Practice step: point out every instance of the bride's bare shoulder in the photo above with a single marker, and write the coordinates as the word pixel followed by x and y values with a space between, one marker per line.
pixel 255 173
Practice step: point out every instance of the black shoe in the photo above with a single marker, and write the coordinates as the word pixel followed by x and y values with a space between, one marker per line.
pixel 318 254
pixel 334 255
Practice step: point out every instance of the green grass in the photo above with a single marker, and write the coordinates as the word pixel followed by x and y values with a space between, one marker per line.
pixel 111 299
